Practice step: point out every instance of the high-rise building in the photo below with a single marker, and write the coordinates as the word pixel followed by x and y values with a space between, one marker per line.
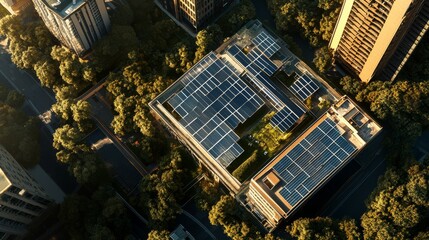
pixel 77 24
pixel 15 6
pixel 374 38
pixel 194 13
pixel 21 197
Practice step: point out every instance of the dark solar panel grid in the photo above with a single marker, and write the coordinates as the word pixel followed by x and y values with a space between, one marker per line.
pixel 213 101
pixel 304 86
pixel 266 43
pixel 313 159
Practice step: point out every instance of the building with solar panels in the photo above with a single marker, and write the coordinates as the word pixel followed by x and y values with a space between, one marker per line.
pixel 295 174
pixel 214 107
pixel 224 91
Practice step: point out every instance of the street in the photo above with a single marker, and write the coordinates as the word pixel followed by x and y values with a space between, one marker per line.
pixel 124 172
pixel 38 101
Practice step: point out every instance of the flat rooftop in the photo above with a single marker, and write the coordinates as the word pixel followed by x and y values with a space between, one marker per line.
pixel 225 89
pixel 313 158
pixel 65 7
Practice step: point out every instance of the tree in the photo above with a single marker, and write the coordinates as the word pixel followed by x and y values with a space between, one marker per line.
pixel 315 20
pixel 403 104
pixel 68 137
pixel 207 40
pixel 323 59
pixel 101 216
pixel 73 70
pixel 19 134
pixel 398 207
pixel 351 85
pixel 162 189
pixel 47 72
pixel 208 194
pixel 114 48
pixel 15 99
pixel 62 108
pixel 228 214
pixel 323 228
pixel 81 112
pixel 158 235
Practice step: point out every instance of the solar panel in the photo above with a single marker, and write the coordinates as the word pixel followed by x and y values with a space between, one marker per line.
pixel 259 68
pixel 308 163
pixel 260 60
pixel 304 87
pixel 266 43
pixel 213 101
pixel 286 118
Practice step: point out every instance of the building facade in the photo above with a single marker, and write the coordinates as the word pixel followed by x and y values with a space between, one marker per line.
pixel 375 38
pixel 21 197
pixel 195 14
pixel 77 24
pixel 16 6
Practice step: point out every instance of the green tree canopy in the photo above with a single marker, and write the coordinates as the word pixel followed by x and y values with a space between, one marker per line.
pixel 323 228
pixel 399 206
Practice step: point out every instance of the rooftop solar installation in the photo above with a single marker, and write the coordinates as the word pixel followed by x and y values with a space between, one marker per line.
pixel 213 101
pixel 304 87
pixel 259 71
pixel 287 117
pixel 266 43
pixel 312 160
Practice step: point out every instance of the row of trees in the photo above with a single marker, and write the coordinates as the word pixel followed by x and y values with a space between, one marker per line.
pixel 19 134
pixel 224 211
pixel 314 19
pixel 69 141
pixel 399 206
pixel 403 104
pixel 162 190
pixel 102 215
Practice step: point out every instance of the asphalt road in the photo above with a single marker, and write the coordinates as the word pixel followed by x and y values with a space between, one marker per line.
pixel 38 101
pixel 194 218
pixel 124 172
pixel 41 98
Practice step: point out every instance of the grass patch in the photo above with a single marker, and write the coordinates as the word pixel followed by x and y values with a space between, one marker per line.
pixel 248 167
pixel 268 137
pixel 265 138
pixel 243 127
pixel 249 147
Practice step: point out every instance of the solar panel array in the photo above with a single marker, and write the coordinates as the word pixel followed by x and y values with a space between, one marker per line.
pixel 304 87
pixel 259 68
pixel 322 151
pixel 213 101
pixel 266 43
pixel 287 117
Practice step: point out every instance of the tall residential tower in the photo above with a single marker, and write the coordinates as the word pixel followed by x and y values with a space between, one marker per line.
pixel 195 14
pixel 21 198
pixel 15 6
pixel 77 24
pixel 374 38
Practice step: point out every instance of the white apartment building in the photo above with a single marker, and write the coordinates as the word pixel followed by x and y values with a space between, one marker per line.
pixel 77 24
